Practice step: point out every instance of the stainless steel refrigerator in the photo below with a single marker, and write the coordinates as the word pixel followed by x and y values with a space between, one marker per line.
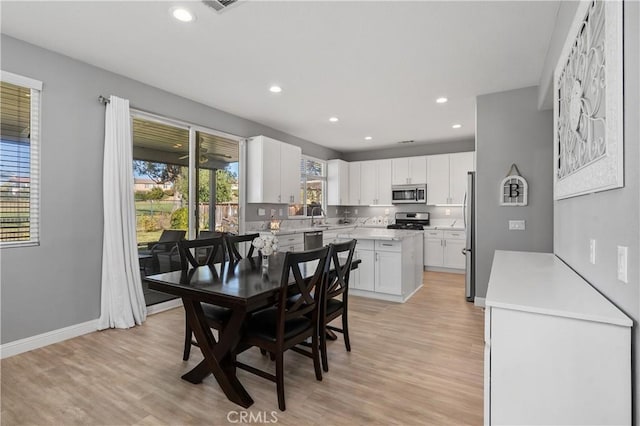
pixel 469 251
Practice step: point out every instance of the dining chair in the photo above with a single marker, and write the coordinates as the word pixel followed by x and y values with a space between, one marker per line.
pixel 284 325
pixel 165 246
pixel 335 300
pixel 207 253
pixel 232 245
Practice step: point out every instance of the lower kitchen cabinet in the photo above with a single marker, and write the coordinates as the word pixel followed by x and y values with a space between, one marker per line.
pixel 389 269
pixel 443 249
pixel 556 351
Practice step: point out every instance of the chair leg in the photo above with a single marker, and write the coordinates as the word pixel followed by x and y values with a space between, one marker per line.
pixel 315 351
pixel 187 341
pixel 345 331
pixel 323 348
pixel 280 380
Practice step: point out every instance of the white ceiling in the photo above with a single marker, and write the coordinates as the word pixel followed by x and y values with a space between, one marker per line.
pixel 378 66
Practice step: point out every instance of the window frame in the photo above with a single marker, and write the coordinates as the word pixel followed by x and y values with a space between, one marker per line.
pixel 35 140
pixel 303 184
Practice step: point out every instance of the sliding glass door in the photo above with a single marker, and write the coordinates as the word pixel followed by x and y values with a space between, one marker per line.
pixel 185 186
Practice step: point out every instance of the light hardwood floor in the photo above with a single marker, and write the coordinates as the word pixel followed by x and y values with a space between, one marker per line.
pixel 414 363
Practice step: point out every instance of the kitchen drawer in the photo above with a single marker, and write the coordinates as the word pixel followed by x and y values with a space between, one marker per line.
pixel 388 245
pixel 291 239
pixel 454 235
pixel 365 245
pixel 433 234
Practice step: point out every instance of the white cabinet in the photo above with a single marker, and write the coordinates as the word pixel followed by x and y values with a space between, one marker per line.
pixel 447 177
pixel 388 268
pixel 444 249
pixel 273 171
pixel 438 179
pixel 366 272
pixel 433 252
pixel 556 351
pixel 291 242
pixel 354 184
pixel 337 183
pixel 375 182
pixel 290 173
pixel 409 170
pixel 459 165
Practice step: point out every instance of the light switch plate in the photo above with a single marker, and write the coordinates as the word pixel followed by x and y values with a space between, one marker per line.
pixel 592 251
pixel 516 225
pixel 447 212
pixel 622 263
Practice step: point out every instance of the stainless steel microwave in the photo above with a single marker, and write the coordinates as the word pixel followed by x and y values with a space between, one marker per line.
pixel 409 194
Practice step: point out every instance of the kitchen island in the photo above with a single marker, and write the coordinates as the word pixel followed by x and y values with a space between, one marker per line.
pixel 391 267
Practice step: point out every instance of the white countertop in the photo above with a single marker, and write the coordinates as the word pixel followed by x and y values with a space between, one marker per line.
pixel 289 231
pixel 542 283
pixel 378 234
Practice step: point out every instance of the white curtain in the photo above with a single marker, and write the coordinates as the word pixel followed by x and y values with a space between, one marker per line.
pixel 122 304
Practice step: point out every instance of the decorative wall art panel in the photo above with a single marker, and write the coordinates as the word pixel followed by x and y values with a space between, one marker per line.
pixel 588 108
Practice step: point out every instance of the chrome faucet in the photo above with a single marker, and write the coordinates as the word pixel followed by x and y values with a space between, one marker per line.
pixel 312 214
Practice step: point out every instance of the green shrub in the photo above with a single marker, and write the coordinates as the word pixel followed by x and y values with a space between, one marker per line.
pixel 149 223
pixel 180 218
pixel 140 195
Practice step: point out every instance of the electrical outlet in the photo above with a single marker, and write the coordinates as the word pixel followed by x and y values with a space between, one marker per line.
pixel 386 211
pixel 261 212
pixel 355 211
pixel 592 251
pixel 336 210
pixel 281 212
pixel 447 212
pixel 622 263
pixel 516 225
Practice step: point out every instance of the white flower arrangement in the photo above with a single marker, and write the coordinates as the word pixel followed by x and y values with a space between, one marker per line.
pixel 267 244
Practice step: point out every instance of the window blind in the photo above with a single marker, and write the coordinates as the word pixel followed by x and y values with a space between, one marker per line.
pixel 19 160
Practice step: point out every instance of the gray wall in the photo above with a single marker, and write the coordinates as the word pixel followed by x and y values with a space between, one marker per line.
pixel 611 217
pixel 564 18
pixel 412 150
pixel 57 284
pixel 511 129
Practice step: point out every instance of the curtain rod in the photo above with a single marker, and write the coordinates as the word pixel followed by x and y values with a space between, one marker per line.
pixel 103 100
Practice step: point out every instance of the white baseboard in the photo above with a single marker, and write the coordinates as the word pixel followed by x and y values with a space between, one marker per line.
pixel 479 302
pixel 441 269
pixel 381 296
pixel 164 306
pixel 49 338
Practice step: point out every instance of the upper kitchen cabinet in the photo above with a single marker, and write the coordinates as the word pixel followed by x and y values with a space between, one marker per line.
pixel 375 182
pixel 447 177
pixel 460 164
pixel 273 171
pixel 337 183
pixel 354 184
pixel 410 170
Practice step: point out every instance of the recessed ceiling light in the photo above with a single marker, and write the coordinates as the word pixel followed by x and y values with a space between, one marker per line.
pixel 275 89
pixel 182 14
pixel 442 100
pixel 333 119
pixel 456 126
pixel 367 138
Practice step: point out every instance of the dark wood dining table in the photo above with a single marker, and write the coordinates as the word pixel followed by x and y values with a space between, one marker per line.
pixel 244 287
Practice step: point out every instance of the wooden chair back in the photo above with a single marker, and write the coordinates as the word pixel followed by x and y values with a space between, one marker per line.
pixel 213 249
pixel 232 245
pixel 309 289
pixel 340 265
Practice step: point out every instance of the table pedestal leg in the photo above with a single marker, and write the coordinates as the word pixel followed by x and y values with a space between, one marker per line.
pixel 218 357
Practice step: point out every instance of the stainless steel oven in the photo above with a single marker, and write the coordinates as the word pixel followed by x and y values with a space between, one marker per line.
pixel 409 194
